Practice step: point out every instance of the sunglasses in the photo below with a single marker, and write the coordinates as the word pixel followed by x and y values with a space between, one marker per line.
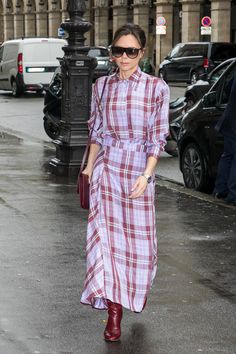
pixel 131 53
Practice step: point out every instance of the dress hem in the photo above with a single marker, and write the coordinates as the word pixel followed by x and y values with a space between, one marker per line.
pixel 105 308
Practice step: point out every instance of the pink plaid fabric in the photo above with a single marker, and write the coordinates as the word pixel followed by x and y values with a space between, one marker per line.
pixel 121 235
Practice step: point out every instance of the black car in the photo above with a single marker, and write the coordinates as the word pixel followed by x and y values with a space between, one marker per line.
pixel 199 145
pixel 196 91
pixel 187 61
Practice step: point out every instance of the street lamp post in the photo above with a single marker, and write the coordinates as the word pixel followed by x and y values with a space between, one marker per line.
pixel 76 69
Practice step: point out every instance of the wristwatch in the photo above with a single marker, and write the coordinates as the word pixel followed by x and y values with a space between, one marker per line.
pixel 148 177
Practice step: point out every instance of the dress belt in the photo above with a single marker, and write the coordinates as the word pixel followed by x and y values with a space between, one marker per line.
pixel 124 144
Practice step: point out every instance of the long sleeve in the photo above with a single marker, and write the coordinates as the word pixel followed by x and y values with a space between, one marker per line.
pixel 159 121
pixel 95 121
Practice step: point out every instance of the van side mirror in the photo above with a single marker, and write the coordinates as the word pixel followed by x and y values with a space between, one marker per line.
pixel 209 99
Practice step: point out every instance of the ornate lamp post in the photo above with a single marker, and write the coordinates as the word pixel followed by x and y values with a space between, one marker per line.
pixel 76 68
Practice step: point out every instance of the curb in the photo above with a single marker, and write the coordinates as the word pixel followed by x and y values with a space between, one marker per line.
pixel 180 188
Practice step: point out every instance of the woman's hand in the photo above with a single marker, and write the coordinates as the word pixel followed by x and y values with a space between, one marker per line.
pixel 93 152
pixel 139 187
pixel 88 171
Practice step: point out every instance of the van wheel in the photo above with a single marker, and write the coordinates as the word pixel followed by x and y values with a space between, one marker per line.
pixel 16 92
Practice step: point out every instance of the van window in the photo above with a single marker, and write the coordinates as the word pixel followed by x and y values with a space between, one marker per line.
pixel 223 51
pixel 1 53
pixel 43 51
pixel 175 52
pixel 10 51
pixel 189 50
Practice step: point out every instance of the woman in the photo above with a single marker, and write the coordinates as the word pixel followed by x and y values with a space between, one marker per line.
pixel 127 139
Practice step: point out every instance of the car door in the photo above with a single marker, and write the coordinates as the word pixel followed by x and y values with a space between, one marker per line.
pixel 215 104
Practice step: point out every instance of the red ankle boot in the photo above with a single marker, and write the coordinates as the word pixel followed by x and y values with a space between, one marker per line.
pixel 112 331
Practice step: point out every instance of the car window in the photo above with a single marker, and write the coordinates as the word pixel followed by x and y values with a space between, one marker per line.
pixel 223 51
pixel 98 52
pixel 228 79
pixel 217 73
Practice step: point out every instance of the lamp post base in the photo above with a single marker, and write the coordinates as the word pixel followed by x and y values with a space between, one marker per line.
pixel 68 158
pixel 60 168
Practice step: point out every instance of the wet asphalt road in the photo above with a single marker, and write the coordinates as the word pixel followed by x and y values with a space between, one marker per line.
pixel 191 307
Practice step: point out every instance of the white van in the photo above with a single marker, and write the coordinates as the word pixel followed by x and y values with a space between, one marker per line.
pixel 28 63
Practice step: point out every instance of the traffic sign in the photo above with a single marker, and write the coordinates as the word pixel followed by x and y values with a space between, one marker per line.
pixel 206 21
pixel 205 30
pixel 160 29
pixel 160 21
pixel 60 32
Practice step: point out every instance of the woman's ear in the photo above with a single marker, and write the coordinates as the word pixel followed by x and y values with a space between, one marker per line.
pixel 142 53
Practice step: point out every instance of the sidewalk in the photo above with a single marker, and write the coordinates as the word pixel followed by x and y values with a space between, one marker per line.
pixel 191 307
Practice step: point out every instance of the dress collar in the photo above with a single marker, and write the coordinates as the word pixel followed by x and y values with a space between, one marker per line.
pixel 135 77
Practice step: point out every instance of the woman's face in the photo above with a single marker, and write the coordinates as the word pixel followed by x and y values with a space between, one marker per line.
pixel 126 64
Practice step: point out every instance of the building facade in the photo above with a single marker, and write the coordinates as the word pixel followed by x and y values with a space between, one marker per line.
pixel 42 18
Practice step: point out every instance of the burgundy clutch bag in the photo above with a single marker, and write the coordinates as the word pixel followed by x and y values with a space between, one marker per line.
pixel 83 190
pixel 83 182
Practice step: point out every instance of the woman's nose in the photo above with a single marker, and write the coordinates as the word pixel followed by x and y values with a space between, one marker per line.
pixel 126 56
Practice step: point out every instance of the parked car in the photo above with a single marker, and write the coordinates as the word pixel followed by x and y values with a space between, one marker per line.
pixel 200 145
pixel 196 91
pixel 104 65
pixel 187 61
pixel 26 64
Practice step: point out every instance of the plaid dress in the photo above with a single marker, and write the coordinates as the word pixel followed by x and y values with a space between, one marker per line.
pixel 121 235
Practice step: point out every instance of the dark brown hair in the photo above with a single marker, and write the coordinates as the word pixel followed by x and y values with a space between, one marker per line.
pixel 130 28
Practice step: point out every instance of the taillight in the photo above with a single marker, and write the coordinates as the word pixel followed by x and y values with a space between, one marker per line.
pixel 20 63
pixel 205 62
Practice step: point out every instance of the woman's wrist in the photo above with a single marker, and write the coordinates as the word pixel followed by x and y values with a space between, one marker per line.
pixel 147 177
pixel 148 172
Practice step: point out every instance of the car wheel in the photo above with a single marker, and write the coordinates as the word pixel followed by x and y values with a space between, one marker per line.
pixel 193 166
pixel 16 92
pixel 190 101
pixel 193 78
